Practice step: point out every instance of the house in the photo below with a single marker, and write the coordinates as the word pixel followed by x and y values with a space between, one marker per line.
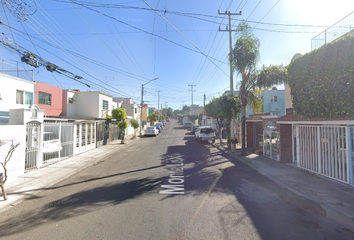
pixel 132 110
pixel 87 104
pixel 152 110
pixel 196 109
pixel 123 100
pixel 14 93
pixel 49 98
pixel 145 112
pixel 274 101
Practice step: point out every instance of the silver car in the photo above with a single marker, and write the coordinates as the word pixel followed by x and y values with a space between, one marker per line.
pixel 151 131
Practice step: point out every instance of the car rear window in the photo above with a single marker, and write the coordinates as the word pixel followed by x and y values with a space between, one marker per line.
pixel 206 130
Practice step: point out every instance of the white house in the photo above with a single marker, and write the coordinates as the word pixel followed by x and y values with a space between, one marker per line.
pixel 87 104
pixel 14 93
pixel 132 110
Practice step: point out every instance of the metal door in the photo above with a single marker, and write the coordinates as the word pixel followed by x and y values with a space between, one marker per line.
pixel 32 145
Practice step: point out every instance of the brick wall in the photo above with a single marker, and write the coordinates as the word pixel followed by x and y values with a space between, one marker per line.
pixel 286 143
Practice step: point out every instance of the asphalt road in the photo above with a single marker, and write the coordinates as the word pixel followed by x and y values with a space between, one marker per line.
pixel 167 187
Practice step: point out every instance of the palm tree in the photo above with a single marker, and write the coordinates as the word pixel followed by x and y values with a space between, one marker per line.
pixel 245 56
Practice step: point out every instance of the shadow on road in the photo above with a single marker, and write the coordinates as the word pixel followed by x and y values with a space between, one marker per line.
pixel 80 203
pixel 273 210
pixel 86 180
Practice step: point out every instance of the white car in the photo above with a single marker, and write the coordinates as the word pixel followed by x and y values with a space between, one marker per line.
pixel 204 133
pixel 151 131
pixel 51 143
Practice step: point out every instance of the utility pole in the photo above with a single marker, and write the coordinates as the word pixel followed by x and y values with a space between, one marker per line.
pixel 204 120
pixel 228 29
pixel 142 103
pixel 204 103
pixel 158 102
pixel 192 97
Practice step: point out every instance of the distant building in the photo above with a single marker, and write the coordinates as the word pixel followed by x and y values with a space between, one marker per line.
pixel 123 100
pixel 274 101
pixel 87 104
pixel 152 110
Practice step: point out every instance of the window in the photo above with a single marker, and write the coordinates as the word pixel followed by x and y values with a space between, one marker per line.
pixel 28 98
pixel 19 97
pixel 105 105
pixel 136 110
pixel 44 98
pixel 274 99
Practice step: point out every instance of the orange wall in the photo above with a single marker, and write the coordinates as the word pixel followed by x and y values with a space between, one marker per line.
pixel 57 99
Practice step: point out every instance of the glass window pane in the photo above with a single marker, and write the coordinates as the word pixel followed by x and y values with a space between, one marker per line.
pixel 45 98
pixel 105 105
pixel 28 97
pixel 19 97
pixel 83 136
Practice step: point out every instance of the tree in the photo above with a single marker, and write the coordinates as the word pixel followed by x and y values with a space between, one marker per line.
pixel 3 178
pixel 177 111
pixel 321 81
pixel 120 115
pixel 221 109
pixel 153 117
pixel 255 101
pixel 169 112
pixel 193 117
pixel 245 55
pixel 135 124
pixel 186 109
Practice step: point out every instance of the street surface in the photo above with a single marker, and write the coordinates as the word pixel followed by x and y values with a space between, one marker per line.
pixel 167 187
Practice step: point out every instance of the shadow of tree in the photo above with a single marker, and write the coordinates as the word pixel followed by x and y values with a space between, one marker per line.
pixel 274 211
pixel 85 181
pixel 81 203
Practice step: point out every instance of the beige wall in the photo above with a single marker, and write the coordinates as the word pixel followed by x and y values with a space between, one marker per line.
pixel 288 102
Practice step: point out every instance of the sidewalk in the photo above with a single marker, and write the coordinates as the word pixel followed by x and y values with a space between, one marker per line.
pixel 37 180
pixel 325 196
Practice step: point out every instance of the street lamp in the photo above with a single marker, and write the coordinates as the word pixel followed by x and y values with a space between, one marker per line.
pixel 142 102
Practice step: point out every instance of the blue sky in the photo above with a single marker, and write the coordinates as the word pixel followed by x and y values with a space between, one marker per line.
pixel 117 46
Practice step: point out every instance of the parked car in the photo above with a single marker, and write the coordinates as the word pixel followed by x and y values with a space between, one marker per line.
pixel 51 143
pixel 204 134
pixel 161 125
pixel 164 122
pixel 194 127
pixel 152 131
pixel 158 127
pixel 168 120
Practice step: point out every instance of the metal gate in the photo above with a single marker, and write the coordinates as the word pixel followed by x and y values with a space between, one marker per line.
pixel 102 133
pixel 271 144
pixel 57 141
pixel 32 145
pixel 324 150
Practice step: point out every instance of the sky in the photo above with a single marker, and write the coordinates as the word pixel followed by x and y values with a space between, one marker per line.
pixel 117 46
